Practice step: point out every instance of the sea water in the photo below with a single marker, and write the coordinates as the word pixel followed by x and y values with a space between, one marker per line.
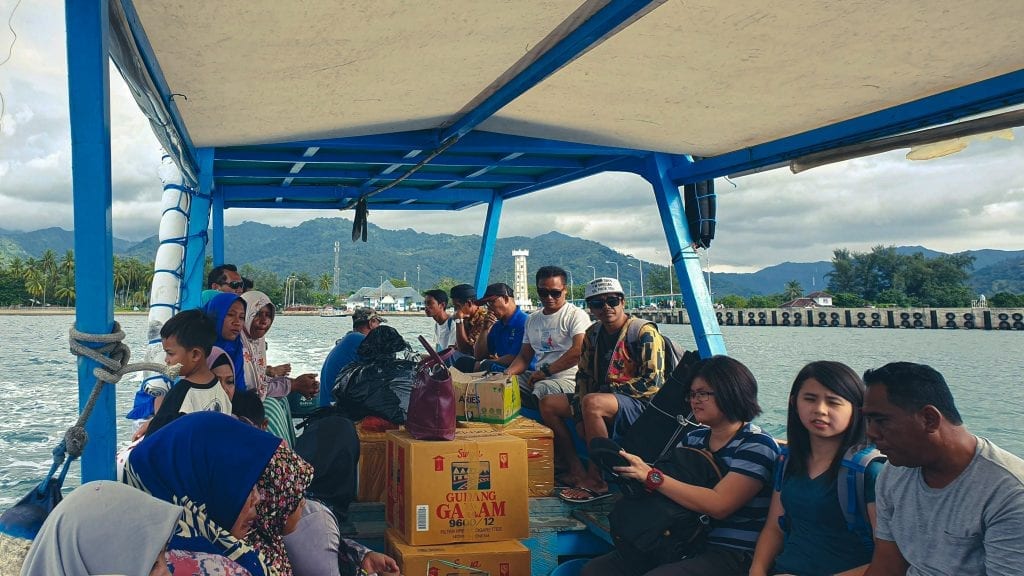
pixel 39 389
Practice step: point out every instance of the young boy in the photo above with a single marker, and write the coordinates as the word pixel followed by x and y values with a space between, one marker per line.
pixel 188 338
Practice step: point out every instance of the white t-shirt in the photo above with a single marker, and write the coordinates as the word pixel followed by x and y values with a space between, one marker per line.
pixel 551 335
pixel 212 399
pixel 444 334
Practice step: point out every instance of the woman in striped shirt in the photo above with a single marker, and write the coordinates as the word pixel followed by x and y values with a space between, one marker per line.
pixel 723 396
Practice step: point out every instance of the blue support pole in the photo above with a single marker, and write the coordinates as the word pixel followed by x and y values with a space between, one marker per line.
pixel 198 220
pixel 89 106
pixel 684 259
pixel 490 236
pixel 218 228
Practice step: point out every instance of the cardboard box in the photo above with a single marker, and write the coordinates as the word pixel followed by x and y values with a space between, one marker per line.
pixel 540 450
pixel 372 463
pixel 472 489
pixel 540 453
pixel 492 399
pixel 502 558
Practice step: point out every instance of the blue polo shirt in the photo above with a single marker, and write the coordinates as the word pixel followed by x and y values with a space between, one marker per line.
pixel 507 337
pixel 343 354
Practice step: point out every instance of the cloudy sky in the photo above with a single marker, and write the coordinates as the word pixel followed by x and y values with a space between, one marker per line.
pixel 970 200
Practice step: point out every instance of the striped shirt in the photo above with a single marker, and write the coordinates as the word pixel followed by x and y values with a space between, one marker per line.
pixel 752 453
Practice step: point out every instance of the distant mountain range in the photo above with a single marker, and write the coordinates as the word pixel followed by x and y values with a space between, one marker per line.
pixel 309 248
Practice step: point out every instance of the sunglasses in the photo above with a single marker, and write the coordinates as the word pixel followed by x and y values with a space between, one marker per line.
pixel 611 301
pixel 549 293
pixel 234 285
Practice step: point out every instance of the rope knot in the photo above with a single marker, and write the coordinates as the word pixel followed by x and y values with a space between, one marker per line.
pixel 75 439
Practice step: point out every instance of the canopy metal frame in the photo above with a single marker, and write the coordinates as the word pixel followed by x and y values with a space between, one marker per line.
pixel 453 166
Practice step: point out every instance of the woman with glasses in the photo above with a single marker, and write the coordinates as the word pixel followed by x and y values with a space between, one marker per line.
pixel 723 397
pixel 620 369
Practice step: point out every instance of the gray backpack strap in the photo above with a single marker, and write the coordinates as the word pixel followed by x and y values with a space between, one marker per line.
pixel 633 329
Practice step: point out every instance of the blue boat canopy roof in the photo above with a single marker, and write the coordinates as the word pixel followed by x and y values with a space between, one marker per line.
pixel 445 105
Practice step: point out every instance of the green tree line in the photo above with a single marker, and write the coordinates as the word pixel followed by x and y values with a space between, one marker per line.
pixel 879 277
pixel 882 277
pixel 50 281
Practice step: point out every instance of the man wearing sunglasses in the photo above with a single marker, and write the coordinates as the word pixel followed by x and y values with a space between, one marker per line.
pixel 614 384
pixel 225 278
pixel 554 337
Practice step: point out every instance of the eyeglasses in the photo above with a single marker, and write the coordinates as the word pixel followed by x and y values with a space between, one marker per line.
pixel 549 293
pixel 700 395
pixel 234 285
pixel 611 301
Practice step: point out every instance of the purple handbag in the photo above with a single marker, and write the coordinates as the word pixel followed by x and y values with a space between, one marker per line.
pixel 431 413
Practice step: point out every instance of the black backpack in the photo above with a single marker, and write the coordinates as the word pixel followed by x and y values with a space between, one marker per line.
pixel 330 444
pixel 649 529
pixel 665 420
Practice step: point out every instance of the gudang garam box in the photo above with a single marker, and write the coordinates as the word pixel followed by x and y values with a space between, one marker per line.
pixel 492 399
pixel 503 558
pixel 472 489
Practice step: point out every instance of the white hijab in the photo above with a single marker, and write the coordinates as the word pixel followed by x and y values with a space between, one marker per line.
pixel 102 527
pixel 255 349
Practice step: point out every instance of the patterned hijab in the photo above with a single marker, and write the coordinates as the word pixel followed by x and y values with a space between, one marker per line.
pixel 209 463
pixel 102 527
pixel 217 309
pixel 281 488
pixel 255 349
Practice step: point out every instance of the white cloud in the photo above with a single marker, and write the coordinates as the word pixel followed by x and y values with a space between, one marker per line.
pixel 970 200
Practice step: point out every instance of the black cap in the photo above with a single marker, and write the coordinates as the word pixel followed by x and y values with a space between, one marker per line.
pixel 495 290
pixel 462 292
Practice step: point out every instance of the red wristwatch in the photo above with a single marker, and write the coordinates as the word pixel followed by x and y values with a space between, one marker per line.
pixel 655 478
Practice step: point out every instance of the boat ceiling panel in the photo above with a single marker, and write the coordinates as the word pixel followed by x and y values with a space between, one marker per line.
pixel 262 71
pixel 707 77
pixel 700 77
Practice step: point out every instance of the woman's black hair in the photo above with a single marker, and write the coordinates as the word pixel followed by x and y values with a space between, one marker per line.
pixel 382 342
pixel 246 404
pixel 734 385
pixel 840 379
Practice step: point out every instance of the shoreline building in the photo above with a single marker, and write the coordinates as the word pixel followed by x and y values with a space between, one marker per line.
pixel 387 298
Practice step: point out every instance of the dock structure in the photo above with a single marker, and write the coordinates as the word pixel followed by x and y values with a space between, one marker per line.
pixel 912 318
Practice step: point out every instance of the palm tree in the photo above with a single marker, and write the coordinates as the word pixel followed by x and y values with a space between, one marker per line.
pixel 67 292
pixel 17 267
pixel 34 284
pixel 120 277
pixel 48 267
pixel 793 290
pixel 325 281
pixel 67 264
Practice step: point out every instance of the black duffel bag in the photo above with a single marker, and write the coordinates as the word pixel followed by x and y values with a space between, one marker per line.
pixel 649 529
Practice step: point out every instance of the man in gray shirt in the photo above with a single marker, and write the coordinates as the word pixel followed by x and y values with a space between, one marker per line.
pixel 947 502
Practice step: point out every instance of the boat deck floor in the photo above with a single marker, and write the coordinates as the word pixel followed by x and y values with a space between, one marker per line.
pixel 558 531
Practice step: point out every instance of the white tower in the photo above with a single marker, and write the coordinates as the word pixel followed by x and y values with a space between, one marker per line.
pixel 519 283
